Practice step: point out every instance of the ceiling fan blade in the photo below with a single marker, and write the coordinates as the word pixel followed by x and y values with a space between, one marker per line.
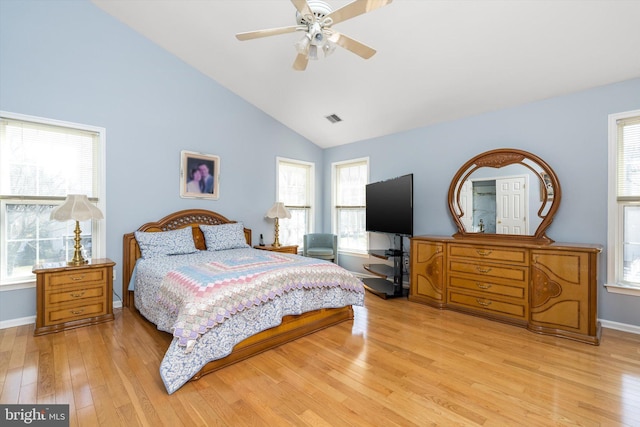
pixel 301 62
pixel 266 33
pixel 303 7
pixel 358 7
pixel 354 46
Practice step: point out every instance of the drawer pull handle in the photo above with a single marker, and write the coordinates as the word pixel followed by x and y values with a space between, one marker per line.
pixel 484 303
pixel 482 252
pixel 77 294
pixel 77 278
pixel 483 285
pixel 483 270
pixel 76 312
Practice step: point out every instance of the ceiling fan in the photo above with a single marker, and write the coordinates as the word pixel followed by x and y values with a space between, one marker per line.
pixel 315 19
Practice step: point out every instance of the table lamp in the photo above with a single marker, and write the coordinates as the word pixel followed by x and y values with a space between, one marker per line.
pixel 278 210
pixel 76 207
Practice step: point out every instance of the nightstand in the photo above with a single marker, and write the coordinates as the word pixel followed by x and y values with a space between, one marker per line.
pixel 72 296
pixel 286 249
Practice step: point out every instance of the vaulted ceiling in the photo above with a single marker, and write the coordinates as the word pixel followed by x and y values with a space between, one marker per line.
pixel 436 60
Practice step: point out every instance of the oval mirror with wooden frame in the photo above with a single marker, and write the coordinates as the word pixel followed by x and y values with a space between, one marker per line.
pixel 504 194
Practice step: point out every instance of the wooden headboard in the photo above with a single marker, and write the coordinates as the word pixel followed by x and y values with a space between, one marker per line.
pixel 181 219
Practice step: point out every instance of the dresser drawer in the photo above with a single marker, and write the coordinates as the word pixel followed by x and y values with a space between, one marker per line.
pixel 499 254
pixel 489 305
pixel 515 290
pixel 60 314
pixel 74 277
pixel 76 294
pixel 480 270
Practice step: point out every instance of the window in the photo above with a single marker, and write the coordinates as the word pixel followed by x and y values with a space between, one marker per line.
pixel 349 181
pixel 295 190
pixel 41 161
pixel 623 261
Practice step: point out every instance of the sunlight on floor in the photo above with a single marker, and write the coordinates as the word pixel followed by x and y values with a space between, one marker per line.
pixel 630 399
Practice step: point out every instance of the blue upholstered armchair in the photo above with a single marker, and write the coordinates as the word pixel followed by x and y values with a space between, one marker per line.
pixel 323 246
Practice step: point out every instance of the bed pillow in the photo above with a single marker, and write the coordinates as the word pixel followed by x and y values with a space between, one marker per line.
pixel 163 243
pixel 224 236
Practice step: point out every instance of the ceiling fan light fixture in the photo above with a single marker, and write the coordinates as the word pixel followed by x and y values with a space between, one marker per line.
pixel 328 48
pixel 313 52
pixel 302 45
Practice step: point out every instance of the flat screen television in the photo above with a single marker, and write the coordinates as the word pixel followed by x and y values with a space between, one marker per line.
pixel 390 206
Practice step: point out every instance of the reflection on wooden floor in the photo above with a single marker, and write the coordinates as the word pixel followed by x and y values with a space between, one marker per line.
pixel 398 363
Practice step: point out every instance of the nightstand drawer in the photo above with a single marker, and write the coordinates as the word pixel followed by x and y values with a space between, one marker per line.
pixel 78 293
pixel 74 312
pixel 81 276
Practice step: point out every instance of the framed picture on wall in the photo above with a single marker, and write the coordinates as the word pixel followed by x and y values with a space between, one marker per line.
pixel 199 175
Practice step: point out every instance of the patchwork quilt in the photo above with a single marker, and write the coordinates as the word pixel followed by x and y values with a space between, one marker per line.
pixel 210 301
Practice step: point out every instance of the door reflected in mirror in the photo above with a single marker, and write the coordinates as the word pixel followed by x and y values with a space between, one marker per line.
pixel 496 205
pixel 502 204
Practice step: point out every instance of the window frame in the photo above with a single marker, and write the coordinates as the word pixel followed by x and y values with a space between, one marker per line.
pixel 98 228
pixel 310 195
pixel 615 218
pixel 334 208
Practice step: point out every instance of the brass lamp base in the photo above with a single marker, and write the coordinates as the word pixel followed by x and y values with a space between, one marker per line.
pixel 77 259
pixel 276 240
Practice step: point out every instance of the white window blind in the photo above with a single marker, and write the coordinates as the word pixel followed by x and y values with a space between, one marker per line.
pixel 293 184
pixel 628 159
pixel 35 160
pixel 352 179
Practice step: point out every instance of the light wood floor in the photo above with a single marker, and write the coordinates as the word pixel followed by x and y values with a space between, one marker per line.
pixel 398 363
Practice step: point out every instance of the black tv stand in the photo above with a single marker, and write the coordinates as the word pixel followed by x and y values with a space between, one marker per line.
pixel 381 286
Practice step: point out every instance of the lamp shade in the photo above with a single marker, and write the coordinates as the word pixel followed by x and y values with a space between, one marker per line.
pixel 278 210
pixel 76 207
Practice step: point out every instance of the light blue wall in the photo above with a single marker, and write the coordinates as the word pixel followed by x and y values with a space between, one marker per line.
pixel 68 60
pixel 568 132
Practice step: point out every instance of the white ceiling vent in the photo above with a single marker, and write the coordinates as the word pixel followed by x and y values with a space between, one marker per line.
pixel 333 118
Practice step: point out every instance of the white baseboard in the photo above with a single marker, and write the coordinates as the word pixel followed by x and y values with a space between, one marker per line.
pixel 620 326
pixel 12 323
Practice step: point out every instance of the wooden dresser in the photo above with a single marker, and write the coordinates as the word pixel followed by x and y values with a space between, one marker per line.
pixel 550 289
pixel 73 296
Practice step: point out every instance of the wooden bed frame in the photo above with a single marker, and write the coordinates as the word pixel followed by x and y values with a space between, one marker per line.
pixel 291 328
